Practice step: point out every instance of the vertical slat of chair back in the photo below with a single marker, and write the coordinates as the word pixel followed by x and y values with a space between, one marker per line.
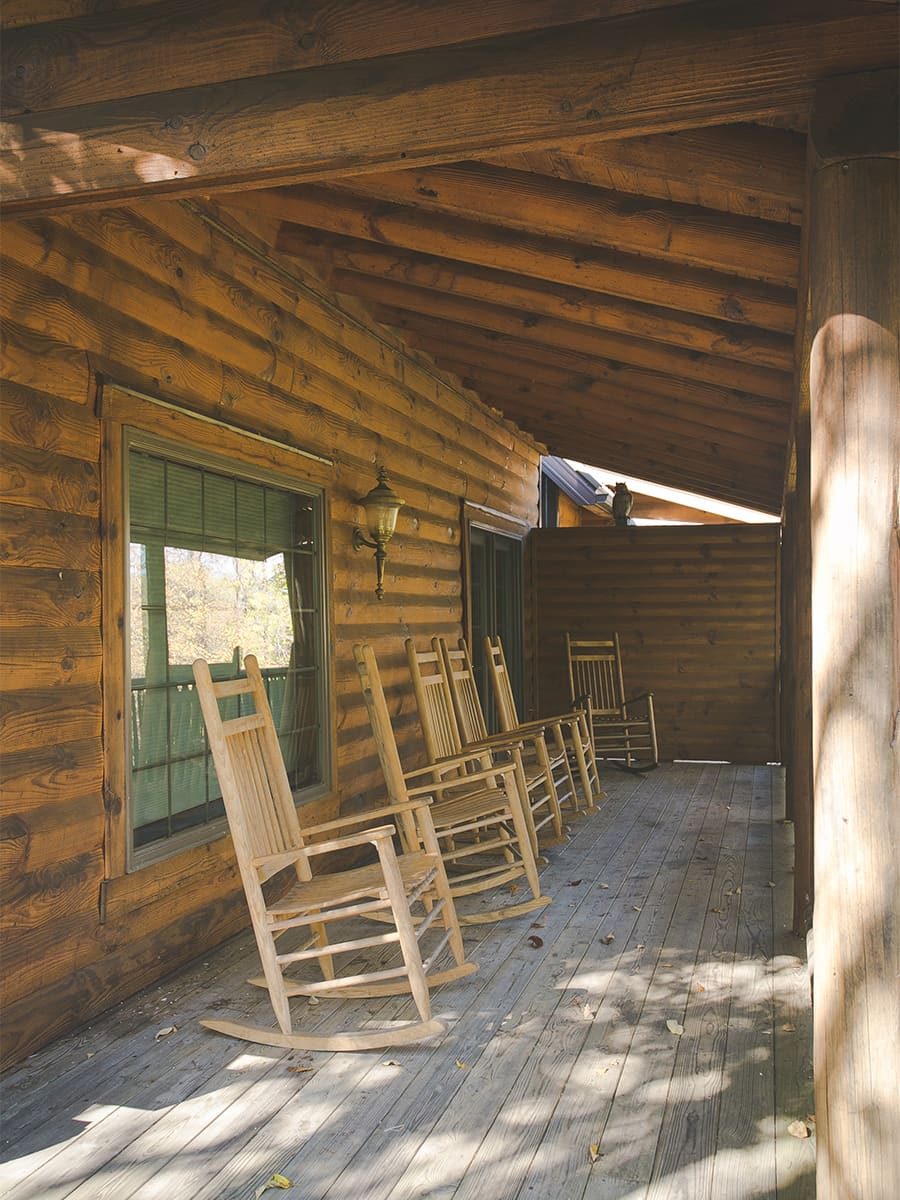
pixel 435 704
pixel 500 682
pixel 463 690
pixel 249 766
pixel 595 667
pixel 383 733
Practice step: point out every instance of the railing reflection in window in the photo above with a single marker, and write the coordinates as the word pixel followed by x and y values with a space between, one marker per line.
pixel 174 785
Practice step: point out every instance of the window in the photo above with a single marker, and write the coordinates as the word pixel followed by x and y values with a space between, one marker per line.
pixel 493 590
pixel 221 563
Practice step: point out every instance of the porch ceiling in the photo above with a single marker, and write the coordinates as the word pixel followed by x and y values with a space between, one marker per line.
pixel 610 257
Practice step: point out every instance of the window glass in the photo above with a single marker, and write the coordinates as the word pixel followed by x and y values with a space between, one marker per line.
pixel 219 567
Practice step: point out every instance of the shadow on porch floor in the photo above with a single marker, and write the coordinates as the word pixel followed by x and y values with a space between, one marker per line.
pixel 671 910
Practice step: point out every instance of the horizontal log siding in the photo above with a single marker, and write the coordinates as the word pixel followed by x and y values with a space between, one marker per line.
pixel 162 301
pixel 695 610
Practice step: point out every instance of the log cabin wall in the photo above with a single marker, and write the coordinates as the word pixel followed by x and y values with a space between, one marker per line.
pixel 166 300
pixel 695 609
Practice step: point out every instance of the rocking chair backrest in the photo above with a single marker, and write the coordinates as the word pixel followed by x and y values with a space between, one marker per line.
pixel 463 690
pixel 250 767
pixel 383 733
pixel 595 669
pixel 501 684
pixel 435 704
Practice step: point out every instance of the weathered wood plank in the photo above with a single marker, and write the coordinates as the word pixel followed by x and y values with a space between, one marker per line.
pixel 43 421
pixel 590 216
pixel 634 277
pixel 395 302
pixel 702 65
pixel 39 538
pixel 41 479
pixel 51 772
pixel 744 169
pixel 72 712
pixel 346 256
pixel 37 658
pixel 45 364
pixel 88 55
pixel 51 599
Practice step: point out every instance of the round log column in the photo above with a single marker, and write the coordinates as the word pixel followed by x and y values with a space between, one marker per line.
pixel 854 370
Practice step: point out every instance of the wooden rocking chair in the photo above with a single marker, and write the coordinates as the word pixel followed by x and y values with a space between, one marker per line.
pixel 443 739
pixel 570 731
pixel 478 813
pixel 269 840
pixel 597 683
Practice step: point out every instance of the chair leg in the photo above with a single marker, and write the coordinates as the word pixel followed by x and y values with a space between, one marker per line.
pixel 409 943
pixel 320 932
pixel 552 796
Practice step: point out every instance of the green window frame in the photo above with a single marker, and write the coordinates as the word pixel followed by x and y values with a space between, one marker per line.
pixel 222 560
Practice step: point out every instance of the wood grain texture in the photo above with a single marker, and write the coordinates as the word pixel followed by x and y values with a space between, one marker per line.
pixel 85 52
pixel 697 627
pixel 854 368
pixel 748 170
pixel 697 66
pixel 705 293
pixel 169 304
pixel 591 216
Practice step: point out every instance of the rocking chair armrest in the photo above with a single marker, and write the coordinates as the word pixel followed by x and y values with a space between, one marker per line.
pixel 462 781
pixel 496 741
pixel 285 858
pixel 447 763
pixel 364 815
pixel 639 696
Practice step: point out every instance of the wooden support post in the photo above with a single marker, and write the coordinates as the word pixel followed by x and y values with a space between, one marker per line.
pixel 855 454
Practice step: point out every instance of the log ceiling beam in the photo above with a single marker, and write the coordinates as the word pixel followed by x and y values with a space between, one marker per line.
pixel 83 56
pixel 700 64
pixel 397 301
pixel 592 216
pixel 603 399
pixel 340 257
pixel 743 169
pixel 694 465
pixel 754 416
pixel 630 276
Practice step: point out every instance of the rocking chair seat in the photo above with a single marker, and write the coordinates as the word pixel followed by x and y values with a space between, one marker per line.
pixel 344 887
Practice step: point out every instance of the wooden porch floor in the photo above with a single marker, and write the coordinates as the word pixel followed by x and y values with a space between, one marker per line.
pixel 663 910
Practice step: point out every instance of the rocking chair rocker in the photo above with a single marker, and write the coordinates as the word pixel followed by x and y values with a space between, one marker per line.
pixel 269 840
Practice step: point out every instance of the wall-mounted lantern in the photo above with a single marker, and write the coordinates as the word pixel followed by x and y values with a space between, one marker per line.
pixel 382 505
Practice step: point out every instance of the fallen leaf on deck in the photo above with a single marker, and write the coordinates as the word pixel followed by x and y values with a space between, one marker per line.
pixel 737 891
pixel 771 883
pixel 789 1027
pixel 535 941
pixel 277 1181
pixel 675 1027
pixel 605 887
pixel 513 888
pixel 595 1151
pixel 462 1066
pixel 391 1062
pixel 588 1013
pixel 811 1120
pixel 701 987
pixel 641 946
pixel 538 924
pixel 574 882
pixel 300 1070
pixel 798 1129
pixel 715 910
pixel 314 1000
pixel 635 908
pixel 165 1031
pixel 610 937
